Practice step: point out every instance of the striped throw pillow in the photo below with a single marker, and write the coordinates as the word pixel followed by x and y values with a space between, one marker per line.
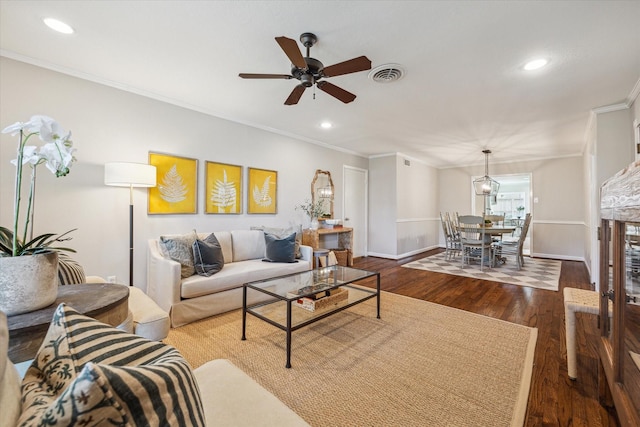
pixel 69 271
pixel 88 373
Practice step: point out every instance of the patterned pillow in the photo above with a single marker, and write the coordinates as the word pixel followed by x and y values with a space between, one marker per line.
pixel 88 373
pixel 178 248
pixel 207 256
pixel 69 271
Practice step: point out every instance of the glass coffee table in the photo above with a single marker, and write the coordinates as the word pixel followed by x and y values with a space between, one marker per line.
pixel 296 300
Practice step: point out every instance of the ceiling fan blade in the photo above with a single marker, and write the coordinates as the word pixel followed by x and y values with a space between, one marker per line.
pixel 295 95
pixel 354 65
pixel 265 76
pixel 336 92
pixel 290 47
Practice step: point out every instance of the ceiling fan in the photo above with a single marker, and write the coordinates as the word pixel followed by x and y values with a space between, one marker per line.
pixel 310 71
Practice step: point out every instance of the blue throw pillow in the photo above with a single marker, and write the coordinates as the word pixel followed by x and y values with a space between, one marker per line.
pixel 280 250
pixel 207 256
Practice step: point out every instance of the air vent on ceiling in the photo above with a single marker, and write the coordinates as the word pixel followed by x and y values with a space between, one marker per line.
pixel 387 73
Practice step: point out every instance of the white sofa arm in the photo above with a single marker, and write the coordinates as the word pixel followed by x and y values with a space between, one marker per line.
pixel 163 277
pixel 306 252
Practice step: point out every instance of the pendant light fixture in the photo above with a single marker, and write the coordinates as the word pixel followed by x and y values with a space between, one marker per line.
pixel 486 186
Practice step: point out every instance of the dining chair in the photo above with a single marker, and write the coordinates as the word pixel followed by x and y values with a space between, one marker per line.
pixel 507 247
pixel 473 240
pixel 452 239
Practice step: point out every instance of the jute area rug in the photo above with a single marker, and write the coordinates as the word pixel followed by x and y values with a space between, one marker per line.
pixel 538 273
pixel 421 364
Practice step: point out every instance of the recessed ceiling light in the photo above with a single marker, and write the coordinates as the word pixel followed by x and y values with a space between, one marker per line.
pixel 58 26
pixel 325 125
pixel 535 64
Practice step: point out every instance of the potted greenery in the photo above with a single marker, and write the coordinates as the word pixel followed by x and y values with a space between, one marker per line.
pixel 314 210
pixel 520 209
pixel 29 265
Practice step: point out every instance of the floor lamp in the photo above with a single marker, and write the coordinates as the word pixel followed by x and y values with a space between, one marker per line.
pixel 130 175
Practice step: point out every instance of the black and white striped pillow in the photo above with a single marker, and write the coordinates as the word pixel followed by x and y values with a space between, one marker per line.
pixel 70 272
pixel 88 372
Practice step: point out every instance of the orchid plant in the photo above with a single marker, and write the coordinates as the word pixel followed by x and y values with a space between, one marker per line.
pixel 57 155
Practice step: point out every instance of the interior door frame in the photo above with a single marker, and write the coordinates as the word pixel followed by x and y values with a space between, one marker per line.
pixel 365 230
pixel 529 197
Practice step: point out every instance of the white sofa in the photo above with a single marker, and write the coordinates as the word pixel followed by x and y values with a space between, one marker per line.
pixel 197 297
pixel 229 396
pixel 145 318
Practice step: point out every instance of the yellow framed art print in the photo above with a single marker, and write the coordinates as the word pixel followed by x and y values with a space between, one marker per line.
pixel 177 178
pixel 262 191
pixel 223 188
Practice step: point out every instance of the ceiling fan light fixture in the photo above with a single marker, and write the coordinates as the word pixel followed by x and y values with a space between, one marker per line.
pixel 535 64
pixel 58 26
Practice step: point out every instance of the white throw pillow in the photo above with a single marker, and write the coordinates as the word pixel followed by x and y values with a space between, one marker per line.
pixel 247 244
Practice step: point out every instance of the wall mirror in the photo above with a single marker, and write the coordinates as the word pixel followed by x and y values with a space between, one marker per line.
pixel 322 190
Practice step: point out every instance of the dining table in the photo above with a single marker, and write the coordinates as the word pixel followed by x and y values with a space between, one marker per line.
pixel 495 230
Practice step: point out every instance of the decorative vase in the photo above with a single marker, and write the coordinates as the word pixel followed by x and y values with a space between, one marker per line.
pixel 28 283
pixel 314 223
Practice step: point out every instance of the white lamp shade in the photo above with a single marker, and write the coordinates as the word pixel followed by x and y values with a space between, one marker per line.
pixel 122 174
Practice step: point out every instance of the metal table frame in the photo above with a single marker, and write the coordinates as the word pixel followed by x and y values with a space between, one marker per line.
pixel 289 328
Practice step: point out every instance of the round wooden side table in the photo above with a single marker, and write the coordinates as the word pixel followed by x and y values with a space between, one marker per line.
pixel 105 302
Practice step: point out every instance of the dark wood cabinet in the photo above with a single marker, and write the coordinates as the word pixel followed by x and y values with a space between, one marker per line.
pixel 619 346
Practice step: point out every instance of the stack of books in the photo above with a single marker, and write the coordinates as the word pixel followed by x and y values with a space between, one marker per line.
pixel 321 299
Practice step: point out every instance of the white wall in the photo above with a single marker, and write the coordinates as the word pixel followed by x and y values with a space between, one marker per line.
pixel 614 143
pixel 417 219
pixel 403 209
pixel 113 125
pixel 382 206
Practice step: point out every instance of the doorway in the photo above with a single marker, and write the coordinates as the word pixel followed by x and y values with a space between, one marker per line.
pixel 513 201
pixel 355 207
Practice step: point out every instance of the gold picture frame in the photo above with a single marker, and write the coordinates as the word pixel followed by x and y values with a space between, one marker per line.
pixel 262 191
pixel 177 188
pixel 223 188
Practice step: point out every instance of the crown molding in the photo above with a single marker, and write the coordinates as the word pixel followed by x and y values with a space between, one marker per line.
pixel 635 92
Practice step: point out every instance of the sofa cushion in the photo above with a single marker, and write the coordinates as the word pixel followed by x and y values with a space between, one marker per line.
pixel 234 275
pixel 247 244
pixel 282 232
pixel 70 272
pixel 222 382
pixel 207 256
pixel 179 248
pixel 89 373
pixel 280 250
pixel 9 380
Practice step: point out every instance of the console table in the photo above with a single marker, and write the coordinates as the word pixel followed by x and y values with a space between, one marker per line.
pixel 314 238
pixel 105 302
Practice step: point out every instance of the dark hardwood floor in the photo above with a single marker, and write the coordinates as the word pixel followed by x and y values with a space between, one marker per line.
pixel 554 400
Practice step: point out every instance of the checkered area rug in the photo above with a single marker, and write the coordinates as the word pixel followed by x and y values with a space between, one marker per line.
pixel 536 273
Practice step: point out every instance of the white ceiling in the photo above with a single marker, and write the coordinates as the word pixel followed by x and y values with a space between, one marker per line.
pixel 464 88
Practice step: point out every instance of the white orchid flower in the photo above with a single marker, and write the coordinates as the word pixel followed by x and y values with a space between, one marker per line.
pixel 58 157
pixel 29 155
pixel 48 129
pixel 14 129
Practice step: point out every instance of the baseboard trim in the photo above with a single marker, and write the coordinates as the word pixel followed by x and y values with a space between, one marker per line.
pixel 404 255
pixel 561 257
